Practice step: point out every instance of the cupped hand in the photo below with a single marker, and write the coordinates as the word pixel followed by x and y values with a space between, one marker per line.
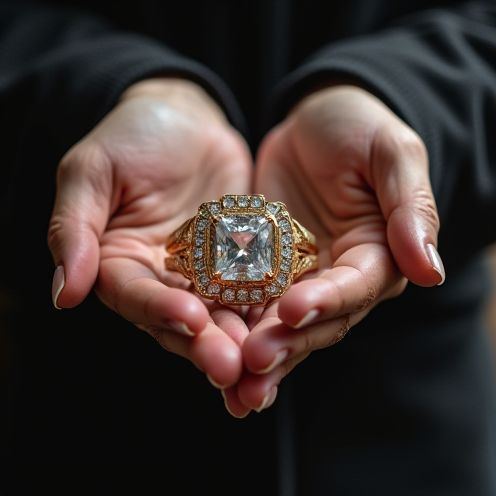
pixel 356 176
pixel 142 171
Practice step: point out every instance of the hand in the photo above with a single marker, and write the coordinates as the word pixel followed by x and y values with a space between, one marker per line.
pixel 143 170
pixel 357 176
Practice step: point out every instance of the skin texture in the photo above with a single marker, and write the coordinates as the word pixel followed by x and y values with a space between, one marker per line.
pixel 137 176
pixel 347 168
pixel 357 177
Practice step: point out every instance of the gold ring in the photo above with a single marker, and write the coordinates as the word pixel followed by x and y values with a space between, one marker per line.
pixel 241 250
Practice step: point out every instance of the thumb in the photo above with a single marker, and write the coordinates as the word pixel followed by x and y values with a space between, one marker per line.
pixel 400 173
pixel 79 217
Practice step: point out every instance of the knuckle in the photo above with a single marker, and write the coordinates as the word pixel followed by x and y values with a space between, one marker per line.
pixel 85 158
pixel 423 204
pixel 398 139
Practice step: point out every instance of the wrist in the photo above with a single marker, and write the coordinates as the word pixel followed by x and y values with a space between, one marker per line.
pixel 183 94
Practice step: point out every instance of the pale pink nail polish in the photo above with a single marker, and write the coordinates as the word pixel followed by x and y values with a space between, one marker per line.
pixel 307 319
pixel 214 383
pixel 58 284
pixel 179 327
pixel 278 359
pixel 436 262
pixel 268 400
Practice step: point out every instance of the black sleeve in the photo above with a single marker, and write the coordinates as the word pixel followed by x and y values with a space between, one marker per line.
pixel 69 68
pixel 436 70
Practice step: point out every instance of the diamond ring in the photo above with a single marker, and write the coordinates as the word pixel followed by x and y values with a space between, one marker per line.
pixel 241 250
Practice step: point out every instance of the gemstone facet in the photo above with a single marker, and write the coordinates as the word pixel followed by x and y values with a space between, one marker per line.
pixel 243 247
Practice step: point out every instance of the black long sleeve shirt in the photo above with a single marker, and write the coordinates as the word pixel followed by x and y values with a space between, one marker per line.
pixel 409 409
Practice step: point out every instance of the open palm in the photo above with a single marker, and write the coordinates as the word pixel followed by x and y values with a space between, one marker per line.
pixel 356 176
pixel 121 191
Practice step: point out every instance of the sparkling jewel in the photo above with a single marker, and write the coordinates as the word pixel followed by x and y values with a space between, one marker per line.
pixel 199 264
pixel 213 288
pixel 228 202
pixel 272 289
pixel 286 265
pixel 198 252
pixel 256 294
pixel 256 202
pixel 243 247
pixel 282 279
pixel 242 295
pixel 202 224
pixel 243 201
pixel 286 251
pixel 204 280
pixel 214 208
pixel 286 239
pixel 273 208
pixel 284 224
pixel 198 240
pixel 229 294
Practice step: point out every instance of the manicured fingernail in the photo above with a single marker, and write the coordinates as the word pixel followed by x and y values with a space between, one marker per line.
pixel 307 319
pixel 268 400
pixel 214 383
pixel 58 284
pixel 179 327
pixel 230 411
pixel 436 262
pixel 278 359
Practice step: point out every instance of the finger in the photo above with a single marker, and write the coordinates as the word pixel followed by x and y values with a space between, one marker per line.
pixel 361 277
pixel 233 404
pixel 80 214
pixel 259 392
pixel 218 348
pixel 133 291
pixel 272 342
pixel 400 175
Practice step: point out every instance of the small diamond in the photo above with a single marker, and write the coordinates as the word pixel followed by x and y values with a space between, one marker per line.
pixel 242 295
pixel 198 240
pixel 256 201
pixel 243 201
pixel 273 208
pixel 213 288
pixel 286 265
pixel 199 265
pixel 198 252
pixel 256 295
pixel 284 225
pixel 214 208
pixel 202 224
pixel 228 202
pixel 287 239
pixel 204 279
pixel 229 294
pixel 282 279
pixel 272 289
pixel 286 251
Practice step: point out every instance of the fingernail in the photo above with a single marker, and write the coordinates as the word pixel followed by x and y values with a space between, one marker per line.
pixel 268 400
pixel 436 262
pixel 278 359
pixel 231 412
pixel 215 384
pixel 58 284
pixel 179 327
pixel 307 319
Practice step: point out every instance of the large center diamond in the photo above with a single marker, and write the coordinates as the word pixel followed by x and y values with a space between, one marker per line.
pixel 244 247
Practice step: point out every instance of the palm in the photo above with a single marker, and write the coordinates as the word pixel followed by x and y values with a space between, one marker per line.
pixel 164 163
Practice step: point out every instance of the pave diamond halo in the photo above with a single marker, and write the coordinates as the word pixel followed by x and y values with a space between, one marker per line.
pixel 242 250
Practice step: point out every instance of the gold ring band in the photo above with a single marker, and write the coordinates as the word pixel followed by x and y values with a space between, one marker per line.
pixel 242 250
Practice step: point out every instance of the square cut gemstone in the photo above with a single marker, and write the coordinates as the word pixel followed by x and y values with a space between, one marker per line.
pixel 243 247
